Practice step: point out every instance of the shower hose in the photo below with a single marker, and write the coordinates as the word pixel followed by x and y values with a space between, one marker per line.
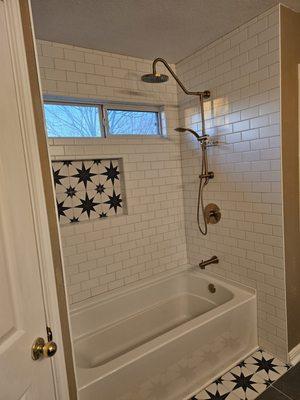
pixel 202 183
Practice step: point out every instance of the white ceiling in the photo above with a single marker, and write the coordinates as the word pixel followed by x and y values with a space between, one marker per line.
pixel 172 29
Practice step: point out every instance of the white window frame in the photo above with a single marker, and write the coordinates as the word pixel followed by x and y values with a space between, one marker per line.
pixel 103 107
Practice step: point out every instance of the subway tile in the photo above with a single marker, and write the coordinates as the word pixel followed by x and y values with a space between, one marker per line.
pixel 73 55
pixel 46 62
pixel 111 61
pixel 258 27
pixel 66 87
pixel 103 70
pixel 95 79
pixel 54 74
pixel 92 58
pixel 238 37
pixel 257 52
pixel 76 77
pixel 84 88
pixel 259 122
pixel 268 34
pixel 248 44
pixel 66 65
pixel 269 58
pixel 51 51
pixel 85 68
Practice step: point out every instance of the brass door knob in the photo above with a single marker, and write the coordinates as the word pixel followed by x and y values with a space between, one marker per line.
pixel 49 349
pixel 40 348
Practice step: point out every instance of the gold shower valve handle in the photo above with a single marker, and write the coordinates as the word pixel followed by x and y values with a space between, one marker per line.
pixel 212 213
pixel 41 349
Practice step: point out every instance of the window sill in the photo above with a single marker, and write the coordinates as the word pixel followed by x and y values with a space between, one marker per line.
pixel 106 140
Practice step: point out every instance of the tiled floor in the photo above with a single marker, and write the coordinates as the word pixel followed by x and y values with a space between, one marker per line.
pixel 249 379
pixel 285 388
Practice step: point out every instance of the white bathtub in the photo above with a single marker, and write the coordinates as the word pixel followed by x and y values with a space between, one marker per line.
pixel 162 340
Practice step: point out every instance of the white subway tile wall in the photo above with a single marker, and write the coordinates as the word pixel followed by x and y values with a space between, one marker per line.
pixel 79 72
pixel 102 255
pixel 242 72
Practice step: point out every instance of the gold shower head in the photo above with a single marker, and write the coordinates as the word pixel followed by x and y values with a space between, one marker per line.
pixel 154 78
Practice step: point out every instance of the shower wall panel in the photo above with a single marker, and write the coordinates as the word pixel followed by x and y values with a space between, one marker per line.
pixel 242 71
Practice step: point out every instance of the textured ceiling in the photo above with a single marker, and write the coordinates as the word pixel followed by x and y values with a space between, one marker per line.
pixel 172 29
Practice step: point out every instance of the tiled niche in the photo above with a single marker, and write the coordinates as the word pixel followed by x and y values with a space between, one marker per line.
pixel 88 189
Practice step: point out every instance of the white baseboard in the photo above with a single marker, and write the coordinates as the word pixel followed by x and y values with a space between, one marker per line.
pixel 294 355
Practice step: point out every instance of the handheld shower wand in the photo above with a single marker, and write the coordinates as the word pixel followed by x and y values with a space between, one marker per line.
pixel 204 177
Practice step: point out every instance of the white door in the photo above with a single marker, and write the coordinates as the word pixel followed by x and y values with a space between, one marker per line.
pixel 22 310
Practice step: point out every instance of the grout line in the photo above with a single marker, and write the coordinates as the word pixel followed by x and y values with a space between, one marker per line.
pixel 288 397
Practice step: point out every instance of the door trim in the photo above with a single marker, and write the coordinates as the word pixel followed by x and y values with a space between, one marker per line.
pixel 22 45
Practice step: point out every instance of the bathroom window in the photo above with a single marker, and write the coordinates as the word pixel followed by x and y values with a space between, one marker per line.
pixel 132 122
pixel 84 120
pixel 72 120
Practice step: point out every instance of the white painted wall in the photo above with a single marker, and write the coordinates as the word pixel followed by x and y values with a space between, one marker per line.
pixel 242 71
pixel 105 254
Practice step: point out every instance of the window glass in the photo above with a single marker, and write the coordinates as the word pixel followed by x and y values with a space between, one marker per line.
pixel 72 120
pixel 132 122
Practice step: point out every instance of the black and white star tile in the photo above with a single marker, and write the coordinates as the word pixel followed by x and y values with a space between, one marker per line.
pixel 243 383
pixel 215 392
pixel 269 367
pixel 87 189
pixel 247 380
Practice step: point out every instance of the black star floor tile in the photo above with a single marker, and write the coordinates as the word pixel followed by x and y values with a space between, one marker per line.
pixel 216 392
pixel 251 378
pixel 267 366
pixel 243 383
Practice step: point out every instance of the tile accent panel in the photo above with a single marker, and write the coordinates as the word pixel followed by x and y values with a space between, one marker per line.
pixel 87 189
pixel 242 71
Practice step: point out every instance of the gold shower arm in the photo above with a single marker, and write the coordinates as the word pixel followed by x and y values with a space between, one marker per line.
pixel 204 95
